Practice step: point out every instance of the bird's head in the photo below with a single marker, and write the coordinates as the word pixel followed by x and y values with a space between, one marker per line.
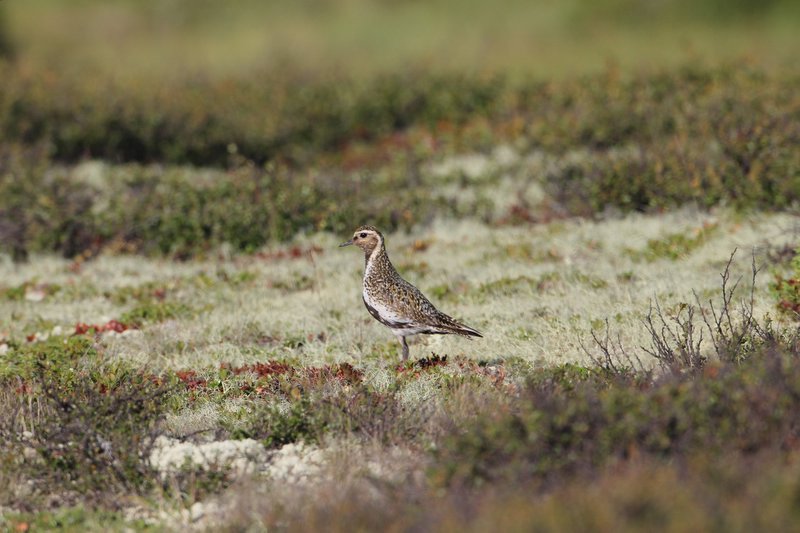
pixel 367 238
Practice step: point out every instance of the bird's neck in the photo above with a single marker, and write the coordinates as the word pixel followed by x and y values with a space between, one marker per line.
pixel 377 258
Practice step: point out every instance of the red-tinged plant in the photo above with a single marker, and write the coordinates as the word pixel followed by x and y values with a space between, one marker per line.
pixel 115 325
pixel 344 372
pixel 190 379
pixel 82 328
pixel 295 252
pixel 787 290
pixel 270 368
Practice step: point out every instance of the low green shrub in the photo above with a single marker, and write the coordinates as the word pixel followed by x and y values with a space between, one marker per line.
pixel 266 117
pixel 726 493
pixel 675 245
pixel 153 311
pixel 308 404
pixel 320 156
pixel 276 425
pixel 731 395
pixel 171 211
pixel 561 431
pixel 41 209
pixel 76 425
pixel 77 518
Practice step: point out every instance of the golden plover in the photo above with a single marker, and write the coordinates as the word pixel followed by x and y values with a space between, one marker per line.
pixel 393 301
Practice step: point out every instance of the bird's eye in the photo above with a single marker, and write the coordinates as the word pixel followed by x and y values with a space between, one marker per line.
pixel 363 235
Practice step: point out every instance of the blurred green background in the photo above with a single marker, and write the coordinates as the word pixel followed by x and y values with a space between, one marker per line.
pixel 318 114
pixel 547 38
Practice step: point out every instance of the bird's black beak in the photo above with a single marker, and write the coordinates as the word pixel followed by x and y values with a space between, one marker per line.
pixel 347 243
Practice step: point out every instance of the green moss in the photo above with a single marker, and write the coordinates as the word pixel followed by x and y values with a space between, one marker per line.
pixel 74 519
pixel 136 293
pixel 593 282
pixel 19 292
pixel 298 282
pixel 440 292
pixel 154 311
pixel 60 354
pixel 675 245
pixel 15 293
pixel 509 285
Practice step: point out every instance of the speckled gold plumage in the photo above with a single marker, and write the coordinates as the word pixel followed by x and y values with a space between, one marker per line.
pixel 393 301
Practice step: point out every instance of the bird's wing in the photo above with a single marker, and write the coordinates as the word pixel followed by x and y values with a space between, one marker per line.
pixel 411 304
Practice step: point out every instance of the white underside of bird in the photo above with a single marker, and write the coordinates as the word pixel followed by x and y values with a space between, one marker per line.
pixel 398 324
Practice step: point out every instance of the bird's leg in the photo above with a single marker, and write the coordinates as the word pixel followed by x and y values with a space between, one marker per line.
pixel 404 344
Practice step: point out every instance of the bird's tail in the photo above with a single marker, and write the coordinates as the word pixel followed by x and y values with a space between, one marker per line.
pixel 460 329
pixel 467 331
pixel 444 324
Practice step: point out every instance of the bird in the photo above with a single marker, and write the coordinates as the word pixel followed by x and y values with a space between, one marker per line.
pixel 393 301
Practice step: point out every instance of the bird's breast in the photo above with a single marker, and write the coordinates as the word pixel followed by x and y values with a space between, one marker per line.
pixel 382 310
